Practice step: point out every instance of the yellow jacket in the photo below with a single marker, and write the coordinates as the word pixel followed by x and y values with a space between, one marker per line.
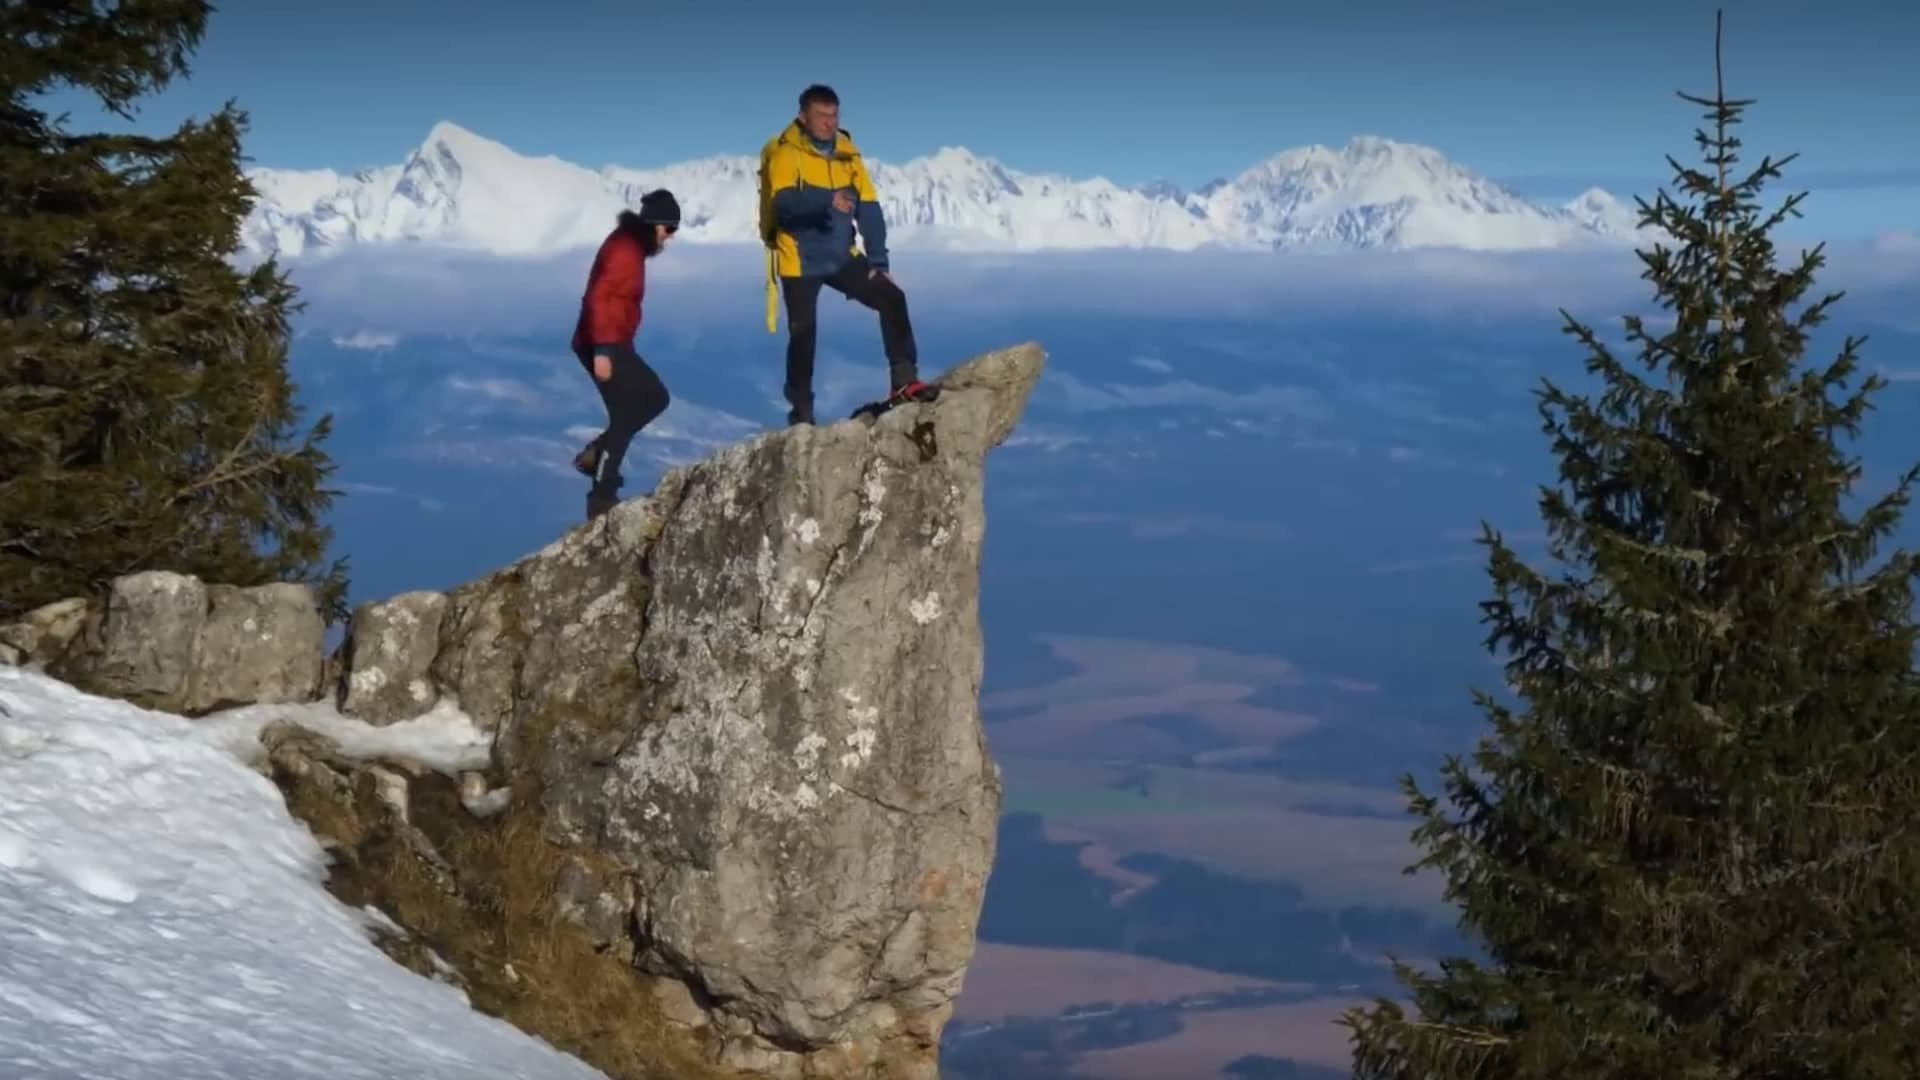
pixel 804 234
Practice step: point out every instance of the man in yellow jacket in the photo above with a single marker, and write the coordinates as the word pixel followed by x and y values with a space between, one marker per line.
pixel 814 192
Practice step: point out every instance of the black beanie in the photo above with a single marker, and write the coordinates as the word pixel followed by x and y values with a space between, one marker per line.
pixel 659 207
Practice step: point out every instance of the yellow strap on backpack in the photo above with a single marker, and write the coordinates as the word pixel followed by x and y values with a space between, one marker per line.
pixel 773 290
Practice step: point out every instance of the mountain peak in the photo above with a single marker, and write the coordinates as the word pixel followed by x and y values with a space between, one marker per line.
pixel 1363 153
pixel 464 149
pixel 1163 188
pixel 455 137
pixel 1603 213
pixel 463 189
pixel 960 160
pixel 1375 144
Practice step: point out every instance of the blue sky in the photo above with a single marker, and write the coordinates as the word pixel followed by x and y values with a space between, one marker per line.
pixel 1547 97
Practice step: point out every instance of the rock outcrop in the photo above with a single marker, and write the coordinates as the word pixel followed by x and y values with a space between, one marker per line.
pixel 739 797
pixel 169 641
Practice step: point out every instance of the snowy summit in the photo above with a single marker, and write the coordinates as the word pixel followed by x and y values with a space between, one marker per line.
pixel 462 190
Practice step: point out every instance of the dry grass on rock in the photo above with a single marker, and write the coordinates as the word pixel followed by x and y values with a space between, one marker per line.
pixel 480 896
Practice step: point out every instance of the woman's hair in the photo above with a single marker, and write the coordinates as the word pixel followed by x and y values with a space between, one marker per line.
pixel 643 232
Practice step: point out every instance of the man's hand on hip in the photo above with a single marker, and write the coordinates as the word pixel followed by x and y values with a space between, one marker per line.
pixel 602 367
pixel 842 201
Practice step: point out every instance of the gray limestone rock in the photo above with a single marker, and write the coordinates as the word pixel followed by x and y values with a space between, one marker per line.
pixel 756 692
pixel 809 805
pixel 171 641
pixel 143 647
pixel 808 800
pixel 390 647
pixel 258 645
pixel 43 635
pixel 602 907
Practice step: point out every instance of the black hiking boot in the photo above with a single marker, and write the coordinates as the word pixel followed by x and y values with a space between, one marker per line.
pixel 799 403
pixel 598 503
pixel 587 461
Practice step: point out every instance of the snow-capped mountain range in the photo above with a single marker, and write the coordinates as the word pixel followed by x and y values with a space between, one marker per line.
pixel 462 190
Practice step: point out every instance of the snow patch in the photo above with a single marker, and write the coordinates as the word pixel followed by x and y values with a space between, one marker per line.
pixel 165 916
pixel 14 851
pixel 92 878
pixel 443 738
pixel 488 804
pixel 377 918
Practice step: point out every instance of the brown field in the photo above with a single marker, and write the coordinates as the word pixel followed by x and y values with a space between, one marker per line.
pixel 1017 980
pixel 1070 727
pixel 1207 1041
pixel 1104 667
pixel 1118 683
pixel 1178 784
pixel 1101 861
pixel 1335 861
pixel 1240 824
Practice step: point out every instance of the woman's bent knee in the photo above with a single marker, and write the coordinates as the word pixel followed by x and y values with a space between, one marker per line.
pixel 655 402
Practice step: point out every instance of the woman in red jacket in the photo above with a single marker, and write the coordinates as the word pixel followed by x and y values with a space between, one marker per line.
pixel 603 341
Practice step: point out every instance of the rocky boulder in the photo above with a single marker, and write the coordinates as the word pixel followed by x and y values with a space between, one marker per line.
pixel 170 641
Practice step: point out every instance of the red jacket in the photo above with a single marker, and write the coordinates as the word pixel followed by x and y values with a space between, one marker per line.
pixel 610 309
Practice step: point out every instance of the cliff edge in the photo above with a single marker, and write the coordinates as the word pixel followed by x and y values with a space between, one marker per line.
pixel 737 814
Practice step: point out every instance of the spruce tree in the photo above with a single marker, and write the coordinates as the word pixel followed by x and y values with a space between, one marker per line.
pixel 147 419
pixel 1689 850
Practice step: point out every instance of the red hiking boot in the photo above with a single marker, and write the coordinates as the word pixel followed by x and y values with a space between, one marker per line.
pixel 913 391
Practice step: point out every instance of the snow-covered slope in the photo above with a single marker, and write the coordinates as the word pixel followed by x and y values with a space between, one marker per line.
pixel 162 916
pixel 1375 193
pixel 462 190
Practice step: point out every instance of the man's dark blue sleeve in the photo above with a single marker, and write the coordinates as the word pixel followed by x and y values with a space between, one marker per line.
pixel 800 207
pixel 873 232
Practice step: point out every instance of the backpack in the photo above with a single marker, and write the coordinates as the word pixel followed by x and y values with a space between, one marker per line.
pixel 770 233
pixel 769 228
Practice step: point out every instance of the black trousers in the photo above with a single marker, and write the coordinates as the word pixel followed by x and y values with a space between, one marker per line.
pixel 877 293
pixel 634 396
